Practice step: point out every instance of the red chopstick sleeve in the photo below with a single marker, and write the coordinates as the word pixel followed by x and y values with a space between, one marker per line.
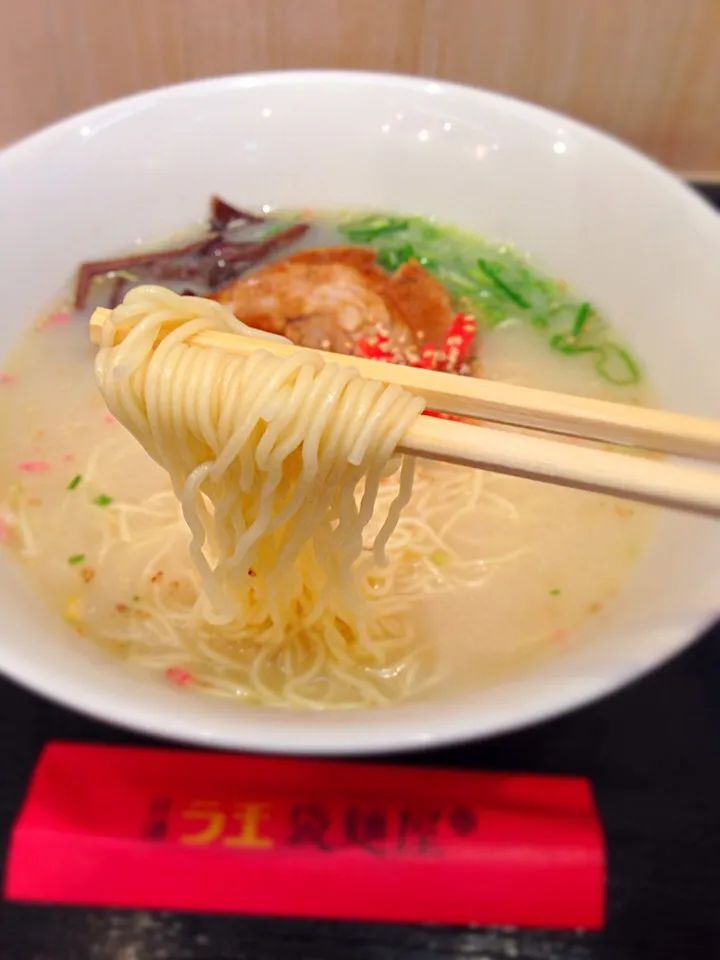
pixel 186 830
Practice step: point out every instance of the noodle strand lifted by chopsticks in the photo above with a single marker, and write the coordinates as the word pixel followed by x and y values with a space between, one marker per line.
pixel 266 456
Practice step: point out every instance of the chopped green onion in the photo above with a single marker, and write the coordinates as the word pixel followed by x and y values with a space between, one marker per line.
pixel 75 481
pixel 102 500
pixel 367 229
pixel 136 597
pixel 565 343
pixel 492 272
pixel 561 320
pixel 390 258
pixel 76 558
pixel 496 284
pixel 556 592
pixel 494 314
pixel 428 229
pixel 459 280
pixel 581 318
pixel 617 366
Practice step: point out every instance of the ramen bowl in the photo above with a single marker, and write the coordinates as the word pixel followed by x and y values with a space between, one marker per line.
pixel 585 207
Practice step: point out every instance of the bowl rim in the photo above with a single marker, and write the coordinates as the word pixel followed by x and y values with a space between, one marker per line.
pixel 305 738
pixel 11 152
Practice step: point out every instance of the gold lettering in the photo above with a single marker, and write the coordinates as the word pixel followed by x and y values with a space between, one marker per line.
pixel 250 816
pixel 210 812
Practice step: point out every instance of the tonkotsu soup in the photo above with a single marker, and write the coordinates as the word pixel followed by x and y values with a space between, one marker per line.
pixel 484 574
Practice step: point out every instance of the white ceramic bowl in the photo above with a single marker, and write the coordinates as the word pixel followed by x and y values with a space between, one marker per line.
pixel 626 233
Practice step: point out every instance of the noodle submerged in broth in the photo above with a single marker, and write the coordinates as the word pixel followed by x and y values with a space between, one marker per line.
pixel 276 554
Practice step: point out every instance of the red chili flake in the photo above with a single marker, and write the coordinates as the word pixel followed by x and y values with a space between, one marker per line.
pixel 5 531
pixel 459 338
pixel 559 634
pixel 178 675
pixel 7 377
pixel 427 359
pixel 441 416
pixel 121 607
pixel 109 418
pixel 33 466
pixel 375 349
pixel 251 572
pixel 448 357
pixel 62 316
pixel 68 457
pixel 156 576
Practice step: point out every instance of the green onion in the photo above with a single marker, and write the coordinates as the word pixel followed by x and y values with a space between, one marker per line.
pixel 617 366
pixel 568 342
pixel 565 343
pixel 491 271
pixel 363 231
pixel 493 313
pixel 390 258
pixel 556 592
pixel 429 230
pixel 75 481
pixel 76 558
pixel 496 284
pixel 556 310
pixel 458 280
pixel 581 318
pixel 102 500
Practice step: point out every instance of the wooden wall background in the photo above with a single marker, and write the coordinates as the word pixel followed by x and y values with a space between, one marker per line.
pixel 647 70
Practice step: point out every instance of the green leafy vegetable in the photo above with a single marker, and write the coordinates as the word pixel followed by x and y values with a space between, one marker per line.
pixel 76 558
pixel 75 482
pixel 102 500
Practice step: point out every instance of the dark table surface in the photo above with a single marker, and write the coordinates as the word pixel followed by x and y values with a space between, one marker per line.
pixel 652 752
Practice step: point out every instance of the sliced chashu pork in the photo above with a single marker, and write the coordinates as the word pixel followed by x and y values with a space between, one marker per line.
pixel 328 297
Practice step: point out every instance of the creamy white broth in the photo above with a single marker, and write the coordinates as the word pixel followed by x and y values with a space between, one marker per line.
pixel 490 573
pixel 555 556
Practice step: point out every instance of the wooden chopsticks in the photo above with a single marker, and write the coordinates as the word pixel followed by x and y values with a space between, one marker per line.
pixel 658 482
pixel 535 457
